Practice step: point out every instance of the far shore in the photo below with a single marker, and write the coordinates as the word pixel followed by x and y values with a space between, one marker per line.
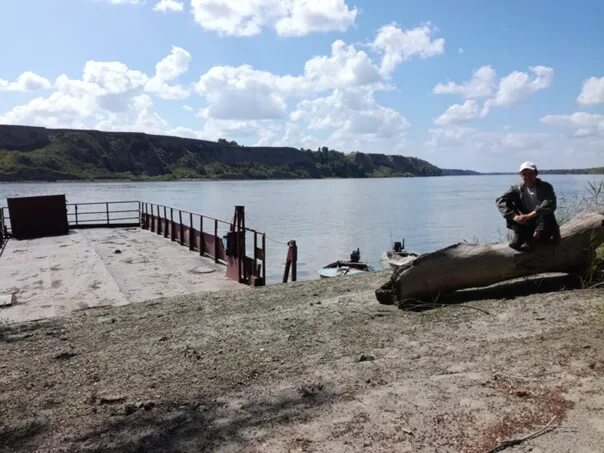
pixel 119 180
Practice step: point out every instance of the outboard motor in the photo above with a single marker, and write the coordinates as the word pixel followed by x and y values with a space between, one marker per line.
pixel 355 256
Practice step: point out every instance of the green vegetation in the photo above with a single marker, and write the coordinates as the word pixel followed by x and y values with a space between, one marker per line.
pixel 33 153
pixel 591 200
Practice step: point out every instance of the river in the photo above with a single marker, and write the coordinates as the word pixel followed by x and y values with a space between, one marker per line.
pixel 330 217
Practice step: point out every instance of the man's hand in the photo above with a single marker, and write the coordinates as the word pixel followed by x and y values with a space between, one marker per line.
pixel 523 218
pixel 537 235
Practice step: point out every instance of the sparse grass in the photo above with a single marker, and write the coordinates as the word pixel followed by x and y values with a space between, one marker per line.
pixel 590 200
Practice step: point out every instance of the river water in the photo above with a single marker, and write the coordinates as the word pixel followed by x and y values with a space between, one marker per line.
pixel 330 217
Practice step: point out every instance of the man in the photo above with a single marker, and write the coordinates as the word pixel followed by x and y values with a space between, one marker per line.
pixel 529 210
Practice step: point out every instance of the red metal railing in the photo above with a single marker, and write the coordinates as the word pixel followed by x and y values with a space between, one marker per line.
pixel 199 232
pixel 205 234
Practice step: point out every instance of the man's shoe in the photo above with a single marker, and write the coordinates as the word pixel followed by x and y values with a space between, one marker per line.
pixel 515 245
pixel 525 247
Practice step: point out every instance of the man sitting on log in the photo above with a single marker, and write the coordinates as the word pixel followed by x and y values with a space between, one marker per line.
pixel 529 210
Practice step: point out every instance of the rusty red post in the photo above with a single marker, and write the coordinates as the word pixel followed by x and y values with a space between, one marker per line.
pixel 292 261
pixel 165 223
pixel 191 233
pixel 201 241
pixel 264 258
pixel 181 230
pixel 158 231
pixel 172 232
pixel 215 240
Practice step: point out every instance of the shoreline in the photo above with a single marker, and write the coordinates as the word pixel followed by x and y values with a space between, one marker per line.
pixel 310 366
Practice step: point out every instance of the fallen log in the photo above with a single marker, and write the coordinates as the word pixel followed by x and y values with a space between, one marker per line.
pixel 464 265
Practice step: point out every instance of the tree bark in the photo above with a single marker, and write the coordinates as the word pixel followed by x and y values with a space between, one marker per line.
pixel 474 265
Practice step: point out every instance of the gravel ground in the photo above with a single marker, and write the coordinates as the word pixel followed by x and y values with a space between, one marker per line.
pixel 311 366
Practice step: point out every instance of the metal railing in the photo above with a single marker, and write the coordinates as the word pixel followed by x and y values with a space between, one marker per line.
pixel 211 237
pixel 106 213
pixel 201 233
pixel 5 230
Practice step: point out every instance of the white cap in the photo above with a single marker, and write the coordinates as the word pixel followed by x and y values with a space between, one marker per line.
pixel 528 165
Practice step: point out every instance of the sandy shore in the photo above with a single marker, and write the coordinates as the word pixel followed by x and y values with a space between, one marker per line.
pixel 310 366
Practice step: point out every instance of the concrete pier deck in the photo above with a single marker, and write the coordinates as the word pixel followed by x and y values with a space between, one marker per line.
pixel 52 276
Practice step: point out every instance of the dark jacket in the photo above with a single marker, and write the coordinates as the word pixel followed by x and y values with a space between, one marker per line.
pixel 510 204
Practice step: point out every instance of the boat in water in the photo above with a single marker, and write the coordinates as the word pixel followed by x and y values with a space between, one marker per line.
pixel 398 256
pixel 345 268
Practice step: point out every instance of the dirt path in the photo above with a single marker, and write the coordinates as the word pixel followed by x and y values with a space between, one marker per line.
pixel 310 366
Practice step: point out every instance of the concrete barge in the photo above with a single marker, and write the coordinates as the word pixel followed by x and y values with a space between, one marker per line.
pixel 55 275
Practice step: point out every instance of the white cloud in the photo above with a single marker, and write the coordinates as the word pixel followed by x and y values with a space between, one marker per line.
pixel 512 89
pixel 57 110
pixel 583 124
pixel 353 118
pixel 517 86
pixel 399 45
pixel 466 147
pixel 287 17
pixel 345 68
pixel 459 112
pixel 244 93
pixel 165 6
pixel 174 65
pixel 481 85
pixel 113 77
pixel 27 81
pixel 109 96
pixel 309 16
pixel 592 92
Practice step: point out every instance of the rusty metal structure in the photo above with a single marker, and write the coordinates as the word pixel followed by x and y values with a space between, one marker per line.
pixel 214 238
pixel 291 261
pixel 33 217
pixel 225 242
pixel 4 230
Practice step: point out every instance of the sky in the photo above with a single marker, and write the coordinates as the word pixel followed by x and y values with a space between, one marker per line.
pixel 462 84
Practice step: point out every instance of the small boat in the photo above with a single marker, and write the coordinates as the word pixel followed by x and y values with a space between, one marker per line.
pixel 398 256
pixel 344 268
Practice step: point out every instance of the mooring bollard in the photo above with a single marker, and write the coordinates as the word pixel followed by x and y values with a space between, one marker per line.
pixel 292 261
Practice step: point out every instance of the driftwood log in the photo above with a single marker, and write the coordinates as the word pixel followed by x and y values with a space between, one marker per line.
pixel 464 265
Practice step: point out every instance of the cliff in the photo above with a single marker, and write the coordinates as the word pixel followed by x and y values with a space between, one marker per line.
pixel 36 153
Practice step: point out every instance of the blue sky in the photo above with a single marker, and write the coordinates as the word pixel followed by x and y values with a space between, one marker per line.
pixel 472 84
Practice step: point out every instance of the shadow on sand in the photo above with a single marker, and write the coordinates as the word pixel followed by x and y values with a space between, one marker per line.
pixel 506 290
pixel 188 425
